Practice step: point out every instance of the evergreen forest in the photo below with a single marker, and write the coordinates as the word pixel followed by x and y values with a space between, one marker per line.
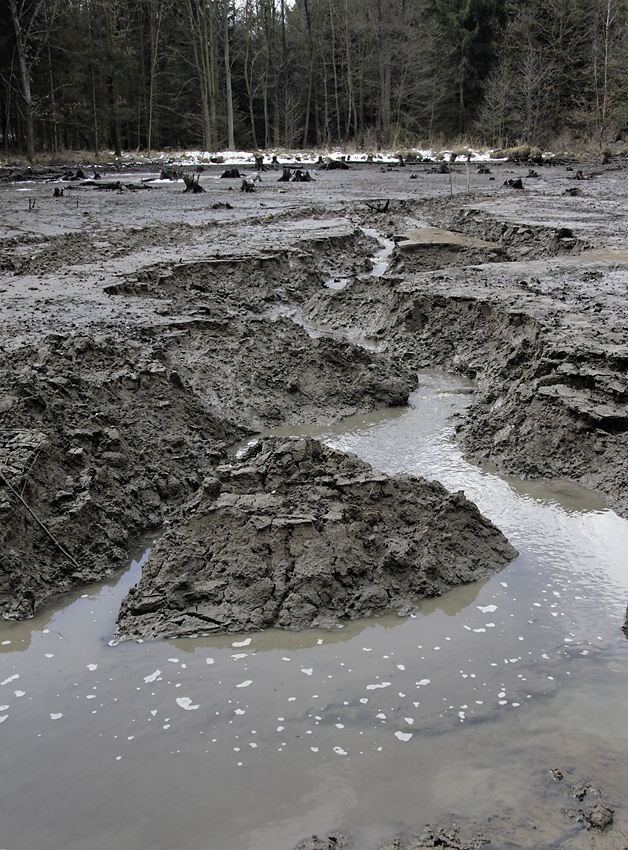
pixel 255 74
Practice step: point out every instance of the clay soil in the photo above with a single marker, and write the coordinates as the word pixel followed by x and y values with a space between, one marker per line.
pixel 146 330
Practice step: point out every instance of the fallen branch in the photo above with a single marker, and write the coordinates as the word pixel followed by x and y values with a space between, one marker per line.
pixel 379 206
pixel 38 521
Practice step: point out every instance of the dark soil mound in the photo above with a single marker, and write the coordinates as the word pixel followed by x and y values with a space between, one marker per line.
pixel 295 534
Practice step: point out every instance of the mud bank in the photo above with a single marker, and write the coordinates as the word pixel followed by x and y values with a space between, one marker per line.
pixel 545 344
pixel 133 355
pixel 295 534
pixel 577 815
pixel 102 436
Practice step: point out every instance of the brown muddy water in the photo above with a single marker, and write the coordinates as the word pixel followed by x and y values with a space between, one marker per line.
pixel 373 729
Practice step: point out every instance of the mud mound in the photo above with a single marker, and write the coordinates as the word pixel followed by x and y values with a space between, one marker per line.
pixel 100 439
pixel 104 435
pixel 295 534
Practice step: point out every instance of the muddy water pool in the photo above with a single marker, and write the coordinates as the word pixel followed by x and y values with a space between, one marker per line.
pixel 255 741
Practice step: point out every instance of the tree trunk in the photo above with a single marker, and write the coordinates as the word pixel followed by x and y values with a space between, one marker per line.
pixel 25 82
pixel 229 95
pixel 200 15
pixel 155 12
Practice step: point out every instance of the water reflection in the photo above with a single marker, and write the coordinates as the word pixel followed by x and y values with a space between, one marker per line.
pixel 453 602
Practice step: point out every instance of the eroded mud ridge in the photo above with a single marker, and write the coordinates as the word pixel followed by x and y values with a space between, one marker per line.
pixel 129 365
pixel 101 435
pixel 294 534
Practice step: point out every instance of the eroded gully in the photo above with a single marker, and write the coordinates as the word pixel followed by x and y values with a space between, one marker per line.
pixel 459 711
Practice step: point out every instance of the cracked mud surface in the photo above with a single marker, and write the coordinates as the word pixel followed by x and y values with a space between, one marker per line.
pixel 145 332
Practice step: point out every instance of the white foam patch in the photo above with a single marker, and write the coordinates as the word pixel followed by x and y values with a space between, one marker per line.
pixel 56 716
pixel 307 670
pixel 10 679
pixel 3 717
pixel 409 720
pixel 20 693
pixel 487 609
pixel 376 687
pixel 4 707
pixel 238 655
pixel 423 682
pixel 238 643
pixel 49 655
pixel 92 667
pixel 239 711
pixel 400 667
pixel 245 684
pixel 403 736
pixel 209 660
pixel 153 676
pixel 339 751
pixel 186 703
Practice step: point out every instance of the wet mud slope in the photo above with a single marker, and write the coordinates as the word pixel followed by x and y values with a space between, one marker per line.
pixel 544 338
pixel 103 433
pixel 294 534
pixel 145 332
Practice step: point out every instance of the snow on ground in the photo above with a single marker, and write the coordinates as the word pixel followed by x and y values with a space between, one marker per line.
pixel 308 158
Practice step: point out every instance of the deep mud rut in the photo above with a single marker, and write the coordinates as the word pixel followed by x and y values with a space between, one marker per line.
pixel 145 332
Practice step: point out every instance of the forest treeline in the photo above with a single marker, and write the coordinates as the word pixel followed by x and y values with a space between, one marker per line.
pixel 254 74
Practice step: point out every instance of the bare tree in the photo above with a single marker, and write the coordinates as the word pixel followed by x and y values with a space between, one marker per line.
pixel 202 21
pixel 32 23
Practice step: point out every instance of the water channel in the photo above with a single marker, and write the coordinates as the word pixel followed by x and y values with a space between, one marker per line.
pixel 256 741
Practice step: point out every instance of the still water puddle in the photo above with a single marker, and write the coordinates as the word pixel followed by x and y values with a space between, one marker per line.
pixel 256 741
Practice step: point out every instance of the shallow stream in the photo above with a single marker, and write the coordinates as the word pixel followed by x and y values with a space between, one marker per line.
pixel 255 742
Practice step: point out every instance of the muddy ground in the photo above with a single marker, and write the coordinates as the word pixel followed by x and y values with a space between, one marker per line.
pixel 145 330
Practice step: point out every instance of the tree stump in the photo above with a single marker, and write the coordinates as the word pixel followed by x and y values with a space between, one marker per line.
pixel 192 184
